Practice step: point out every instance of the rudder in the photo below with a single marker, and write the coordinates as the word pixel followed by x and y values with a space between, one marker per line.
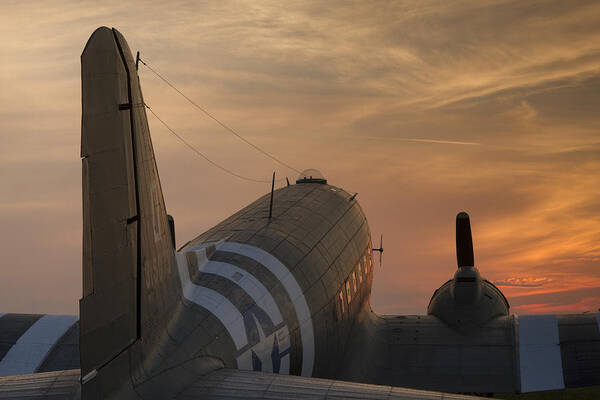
pixel 129 281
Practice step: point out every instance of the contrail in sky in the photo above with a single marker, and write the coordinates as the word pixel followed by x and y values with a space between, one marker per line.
pixel 430 141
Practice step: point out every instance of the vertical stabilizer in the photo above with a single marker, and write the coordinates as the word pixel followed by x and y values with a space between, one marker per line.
pixel 129 281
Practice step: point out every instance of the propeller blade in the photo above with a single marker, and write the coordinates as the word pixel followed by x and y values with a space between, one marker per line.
pixel 380 249
pixel 464 241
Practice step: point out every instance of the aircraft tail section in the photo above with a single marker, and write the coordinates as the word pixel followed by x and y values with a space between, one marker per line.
pixel 129 281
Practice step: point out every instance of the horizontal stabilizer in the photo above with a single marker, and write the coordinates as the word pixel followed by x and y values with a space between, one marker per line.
pixel 226 384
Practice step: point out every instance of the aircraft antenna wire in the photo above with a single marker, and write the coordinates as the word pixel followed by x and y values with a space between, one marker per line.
pixel 222 124
pixel 199 153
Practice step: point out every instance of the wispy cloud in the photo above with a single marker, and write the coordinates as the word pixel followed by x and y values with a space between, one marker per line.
pixel 435 141
pixel 523 282
pixel 506 93
pixel 586 304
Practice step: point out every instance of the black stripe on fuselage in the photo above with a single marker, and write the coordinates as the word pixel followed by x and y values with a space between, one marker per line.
pixel 12 327
pixel 238 297
pixel 579 337
pixel 65 352
pixel 280 296
pixel 228 289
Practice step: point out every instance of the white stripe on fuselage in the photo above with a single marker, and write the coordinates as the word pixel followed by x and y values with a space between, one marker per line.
pixel 539 353
pixel 294 291
pixel 26 355
pixel 289 283
pixel 261 296
pixel 214 302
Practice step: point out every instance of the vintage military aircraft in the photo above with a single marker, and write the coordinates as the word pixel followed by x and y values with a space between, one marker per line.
pixel 264 304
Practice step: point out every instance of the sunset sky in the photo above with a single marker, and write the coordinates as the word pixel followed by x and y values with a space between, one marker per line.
pixel 424 108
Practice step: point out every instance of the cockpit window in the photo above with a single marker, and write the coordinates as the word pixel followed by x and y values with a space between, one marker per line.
pixel 311 176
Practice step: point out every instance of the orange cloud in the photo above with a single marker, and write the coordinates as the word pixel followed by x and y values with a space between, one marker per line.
pixel 387 102
pixel 523 282
pixel 589 304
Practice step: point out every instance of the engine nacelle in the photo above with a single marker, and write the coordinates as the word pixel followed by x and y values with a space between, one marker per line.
pixel 467 300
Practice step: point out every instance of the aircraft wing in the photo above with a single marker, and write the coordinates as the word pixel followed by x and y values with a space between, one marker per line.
pixel 222 384
pixel 508 354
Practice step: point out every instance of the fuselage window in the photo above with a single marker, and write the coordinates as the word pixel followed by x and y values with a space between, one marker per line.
pixel 364 264
pixel 340 307
pixel 348 291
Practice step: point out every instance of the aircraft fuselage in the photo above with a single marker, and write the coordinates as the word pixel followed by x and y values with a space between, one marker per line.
pixel 280 294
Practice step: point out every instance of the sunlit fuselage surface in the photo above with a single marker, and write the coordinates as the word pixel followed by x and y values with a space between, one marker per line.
pixel 280 294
